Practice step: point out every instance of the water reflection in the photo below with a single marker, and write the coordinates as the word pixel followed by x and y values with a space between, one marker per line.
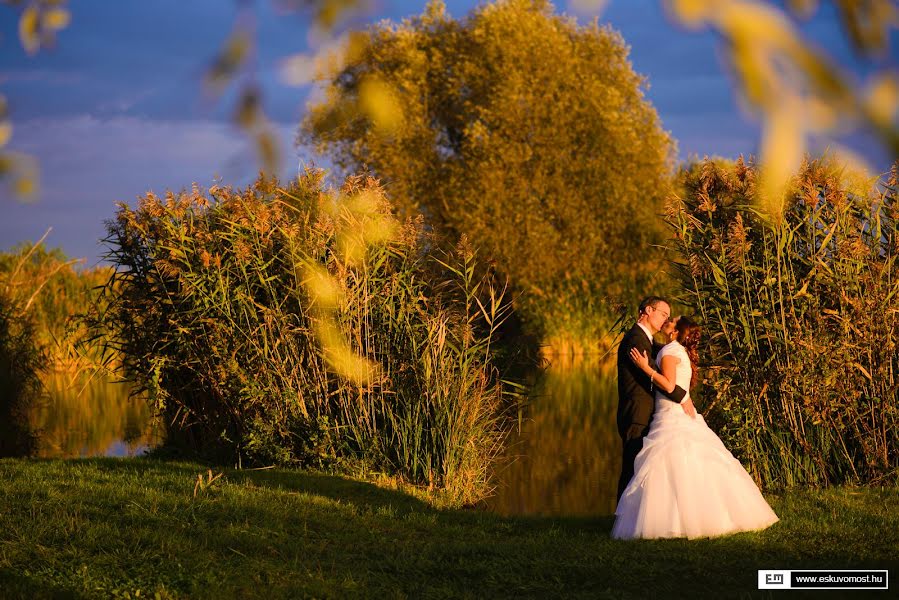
pixel 90 418
pixel 567 457
pixel 564 461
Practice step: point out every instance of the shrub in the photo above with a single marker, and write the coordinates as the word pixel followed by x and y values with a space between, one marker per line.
pixel 294 325
pixel 800 319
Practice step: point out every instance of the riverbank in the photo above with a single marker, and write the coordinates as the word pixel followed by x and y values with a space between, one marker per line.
pixel 138 528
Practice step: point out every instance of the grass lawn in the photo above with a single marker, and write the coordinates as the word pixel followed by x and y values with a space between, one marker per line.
pixel 133 528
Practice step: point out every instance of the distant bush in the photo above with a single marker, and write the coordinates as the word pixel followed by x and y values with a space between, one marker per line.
pixel 800 318
pixel 293 325
pixel 56 294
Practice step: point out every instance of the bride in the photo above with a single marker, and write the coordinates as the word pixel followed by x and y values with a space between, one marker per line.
pixel 685 483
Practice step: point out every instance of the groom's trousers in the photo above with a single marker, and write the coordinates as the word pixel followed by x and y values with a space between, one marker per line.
pixel 632 443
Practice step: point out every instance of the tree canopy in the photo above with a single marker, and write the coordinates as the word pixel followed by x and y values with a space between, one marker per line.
pixel 519 128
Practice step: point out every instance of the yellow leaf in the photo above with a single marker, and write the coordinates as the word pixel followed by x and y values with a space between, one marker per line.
pixel 692 13
pixel 56 19
pixel 883 98
pixel 25 187
pixel 378 230
pixel 354 47
pixel 321 286
pixel 28 30
pixel 754 72
pixel 351 247
pixel 340 357
pixel 783 143
pixel 5 132
pixel 331 12
pixel 335 53
pixel 362 204
pixel 760 24
pixel 229 60
pixel 237 48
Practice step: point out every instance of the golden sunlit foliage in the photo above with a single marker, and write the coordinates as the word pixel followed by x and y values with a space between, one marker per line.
pixel 53 292
pixel 518 128
pixel 39 21
pixel 799 318
pixel 305 325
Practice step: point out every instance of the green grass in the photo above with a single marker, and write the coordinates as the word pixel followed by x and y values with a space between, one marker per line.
pixel 116 527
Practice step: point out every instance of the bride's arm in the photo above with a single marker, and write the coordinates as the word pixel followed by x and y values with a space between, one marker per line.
pixel 666 379
pixel 669 371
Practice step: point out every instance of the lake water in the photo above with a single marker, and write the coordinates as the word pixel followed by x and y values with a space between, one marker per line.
pixel 567 456
pixel 564 460
pixel 93 418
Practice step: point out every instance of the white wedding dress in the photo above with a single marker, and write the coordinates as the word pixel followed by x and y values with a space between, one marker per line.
pixel 686 483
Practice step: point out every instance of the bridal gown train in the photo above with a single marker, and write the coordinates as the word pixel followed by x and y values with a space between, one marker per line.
pixel 686 483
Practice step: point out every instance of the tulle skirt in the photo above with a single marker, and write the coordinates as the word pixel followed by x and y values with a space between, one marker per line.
pixel 687 484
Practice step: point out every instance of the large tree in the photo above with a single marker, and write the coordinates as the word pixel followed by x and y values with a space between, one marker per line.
pixel 519 128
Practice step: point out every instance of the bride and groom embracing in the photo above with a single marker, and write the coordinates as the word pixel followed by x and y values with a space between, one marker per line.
pixel 677 478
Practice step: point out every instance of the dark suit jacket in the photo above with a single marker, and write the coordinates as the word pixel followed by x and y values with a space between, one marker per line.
pixel 635 394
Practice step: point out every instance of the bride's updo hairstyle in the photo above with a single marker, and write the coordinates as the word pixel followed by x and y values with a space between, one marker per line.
pixel 688 334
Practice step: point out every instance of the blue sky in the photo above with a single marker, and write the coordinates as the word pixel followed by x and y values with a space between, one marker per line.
pixel 116 109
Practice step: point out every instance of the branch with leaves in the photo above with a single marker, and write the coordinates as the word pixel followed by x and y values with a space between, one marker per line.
pixel 39 22
pixel 232 68
pixel 799 91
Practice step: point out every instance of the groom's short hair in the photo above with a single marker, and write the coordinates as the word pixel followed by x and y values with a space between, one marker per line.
pixel 652 301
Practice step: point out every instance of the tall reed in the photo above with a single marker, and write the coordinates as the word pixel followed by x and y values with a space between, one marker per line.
pixel 55 293
pixel 801 319
pixel 298 325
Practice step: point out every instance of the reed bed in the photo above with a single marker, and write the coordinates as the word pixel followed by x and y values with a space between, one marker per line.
pixel 800 316
pixel 56 292
pixel 297 325
pixel 23 358
pixel 44 300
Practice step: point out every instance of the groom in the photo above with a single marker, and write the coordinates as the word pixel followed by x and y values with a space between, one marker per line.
pixel 635 389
